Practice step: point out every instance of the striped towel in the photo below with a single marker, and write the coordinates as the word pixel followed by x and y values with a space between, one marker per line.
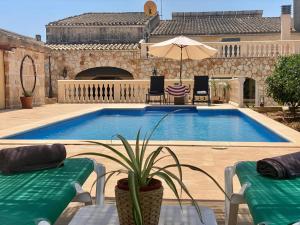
pixel 178 90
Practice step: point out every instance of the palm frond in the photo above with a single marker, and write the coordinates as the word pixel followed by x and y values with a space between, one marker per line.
pixel 130 153
pixel 118 153
pixel 136 206
pixel 104 156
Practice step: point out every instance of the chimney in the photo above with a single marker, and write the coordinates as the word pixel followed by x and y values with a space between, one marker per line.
pixel 297 15
pixel 286 22
pixel 38 37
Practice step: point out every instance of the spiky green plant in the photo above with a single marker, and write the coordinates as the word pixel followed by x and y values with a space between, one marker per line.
pixel 28 94
pixel 141 169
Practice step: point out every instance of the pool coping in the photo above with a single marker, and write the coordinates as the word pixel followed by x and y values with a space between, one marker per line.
pixel 276 127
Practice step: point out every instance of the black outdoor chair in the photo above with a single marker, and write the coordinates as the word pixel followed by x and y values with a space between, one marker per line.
pixel 157 88
pixel 201 89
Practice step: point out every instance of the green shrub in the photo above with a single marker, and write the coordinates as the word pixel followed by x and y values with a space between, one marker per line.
pixel 284 84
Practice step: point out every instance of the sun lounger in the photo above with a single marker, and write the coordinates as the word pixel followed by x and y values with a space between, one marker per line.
pixel 270 201
pixel 39 197
pixel 157 88
pixel 201 88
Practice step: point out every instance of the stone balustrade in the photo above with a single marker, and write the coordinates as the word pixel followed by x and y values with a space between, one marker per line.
pixel 107 91
pixel 113 91
pixel 246 48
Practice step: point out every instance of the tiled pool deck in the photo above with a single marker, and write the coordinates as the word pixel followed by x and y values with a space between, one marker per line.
pixel 208 156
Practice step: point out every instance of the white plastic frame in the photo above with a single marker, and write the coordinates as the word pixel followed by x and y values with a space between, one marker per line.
pixel 85 197
pixel 232 204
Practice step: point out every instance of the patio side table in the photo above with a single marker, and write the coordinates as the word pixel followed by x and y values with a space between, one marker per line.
pixel 170 215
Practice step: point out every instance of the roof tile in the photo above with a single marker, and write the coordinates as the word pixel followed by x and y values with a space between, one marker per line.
pixel 103 47
pixel 104 19
pixel 218 25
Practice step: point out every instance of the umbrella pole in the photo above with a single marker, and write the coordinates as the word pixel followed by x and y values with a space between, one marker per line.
pixel 180 66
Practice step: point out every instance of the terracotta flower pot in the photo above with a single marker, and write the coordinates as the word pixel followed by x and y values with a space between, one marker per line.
pixel 26 102
pixel 150 199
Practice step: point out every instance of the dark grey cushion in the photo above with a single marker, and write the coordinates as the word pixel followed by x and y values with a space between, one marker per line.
pixel 31 158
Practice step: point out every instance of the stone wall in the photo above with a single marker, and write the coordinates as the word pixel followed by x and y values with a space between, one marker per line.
pixel 12 64
pixel 258 68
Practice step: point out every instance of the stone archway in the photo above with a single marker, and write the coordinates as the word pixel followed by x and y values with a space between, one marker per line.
pixel 104 73
pixel 250 92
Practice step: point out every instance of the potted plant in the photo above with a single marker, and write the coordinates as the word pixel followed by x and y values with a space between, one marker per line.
pixel 226 91
pixel 26 100
pixel 215 98
pixel 139 196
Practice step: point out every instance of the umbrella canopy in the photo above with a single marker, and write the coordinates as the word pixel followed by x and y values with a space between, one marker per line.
pixel 181 48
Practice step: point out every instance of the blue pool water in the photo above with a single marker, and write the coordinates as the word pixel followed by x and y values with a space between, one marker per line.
pixel 188 124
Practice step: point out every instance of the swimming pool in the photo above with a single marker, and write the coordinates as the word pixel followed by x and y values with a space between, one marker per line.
pixel 187 124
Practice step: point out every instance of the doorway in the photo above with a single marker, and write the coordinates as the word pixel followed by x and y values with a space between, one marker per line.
pixel 249 92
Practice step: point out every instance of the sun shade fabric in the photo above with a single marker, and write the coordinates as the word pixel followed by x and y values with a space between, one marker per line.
pixel 177 90
pixel 285 166
pixel 191 49
pixel 27 198
pixel 270 201
pixel 31 158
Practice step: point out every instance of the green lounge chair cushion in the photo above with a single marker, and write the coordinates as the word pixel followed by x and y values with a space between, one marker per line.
pixel 27 198
pixel 270 201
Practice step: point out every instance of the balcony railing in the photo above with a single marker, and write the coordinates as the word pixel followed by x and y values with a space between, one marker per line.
pixel 115 91
pixel 246 48
pixel 106 91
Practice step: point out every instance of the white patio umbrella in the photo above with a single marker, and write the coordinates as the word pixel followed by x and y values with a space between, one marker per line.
pixel 181 48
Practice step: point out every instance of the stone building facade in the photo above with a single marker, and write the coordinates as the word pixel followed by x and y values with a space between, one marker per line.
pixel 90 51
pixel 114 46
pixel 131 60
pixel 13 48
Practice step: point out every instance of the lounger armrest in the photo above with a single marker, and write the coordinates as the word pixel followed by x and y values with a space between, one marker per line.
pixel 232 204
pixel 100 171
pixel 81 195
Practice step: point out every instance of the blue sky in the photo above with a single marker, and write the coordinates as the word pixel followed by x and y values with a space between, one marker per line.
pixel 29 17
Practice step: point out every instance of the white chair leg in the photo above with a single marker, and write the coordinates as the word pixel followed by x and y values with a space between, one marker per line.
pixel 100 171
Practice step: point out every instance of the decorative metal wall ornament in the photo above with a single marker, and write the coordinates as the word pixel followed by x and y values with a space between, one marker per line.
pixel 21 74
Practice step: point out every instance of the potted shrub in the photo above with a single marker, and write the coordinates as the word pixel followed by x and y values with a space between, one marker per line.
pixel 226 91
pixel 139 196
pixel 26 100
pixel 214 86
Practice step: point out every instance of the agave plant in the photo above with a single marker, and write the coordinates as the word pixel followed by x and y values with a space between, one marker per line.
pixel 140 169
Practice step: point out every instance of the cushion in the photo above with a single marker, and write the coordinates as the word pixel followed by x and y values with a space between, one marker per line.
pixel 31 158
pixel 201 93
